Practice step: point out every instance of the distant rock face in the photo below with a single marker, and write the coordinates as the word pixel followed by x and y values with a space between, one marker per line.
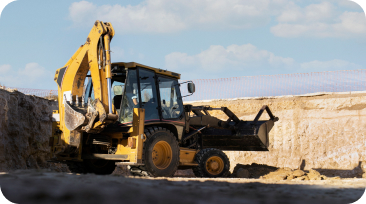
pixel 25 128
pixel 326 132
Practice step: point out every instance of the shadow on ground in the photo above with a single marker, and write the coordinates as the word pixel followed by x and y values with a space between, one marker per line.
pixel 255 170
pixel 258 170
pixel 32 186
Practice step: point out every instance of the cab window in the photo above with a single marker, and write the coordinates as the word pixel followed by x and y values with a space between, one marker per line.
pixel 170 101
pixel 149 99
pixel 130 97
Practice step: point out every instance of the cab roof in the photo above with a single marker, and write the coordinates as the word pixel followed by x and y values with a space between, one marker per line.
pixel 156 70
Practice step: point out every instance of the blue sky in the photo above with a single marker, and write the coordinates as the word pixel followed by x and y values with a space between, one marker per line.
pixel 197 38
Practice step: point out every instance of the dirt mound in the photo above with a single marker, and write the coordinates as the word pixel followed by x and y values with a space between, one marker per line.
pixel 296 175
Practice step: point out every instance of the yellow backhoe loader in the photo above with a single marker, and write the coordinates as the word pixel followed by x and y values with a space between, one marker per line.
pixel 131 114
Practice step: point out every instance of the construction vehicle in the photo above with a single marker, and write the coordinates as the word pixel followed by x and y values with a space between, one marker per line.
pixel 131 114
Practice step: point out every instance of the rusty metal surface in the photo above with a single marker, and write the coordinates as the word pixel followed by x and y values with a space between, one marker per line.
pixel 73 119
pixel 91 115
pixel 98 105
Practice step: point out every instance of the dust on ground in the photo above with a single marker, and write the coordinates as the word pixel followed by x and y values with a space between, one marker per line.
pixel 45 186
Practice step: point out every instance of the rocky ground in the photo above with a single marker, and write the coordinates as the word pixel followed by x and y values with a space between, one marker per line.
pixel 46 186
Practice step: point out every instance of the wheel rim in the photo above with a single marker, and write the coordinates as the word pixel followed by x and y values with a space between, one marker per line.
pixel 214 165
pixel 162 155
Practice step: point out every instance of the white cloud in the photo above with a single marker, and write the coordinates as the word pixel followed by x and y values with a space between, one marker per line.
pixel 322 19
pixel 4 68
pixel 218 60
pixel 30 76
pixel 348 3
pixel 33 72
pixel 319 20
pixel 319 12
pixel 335 64
pixel 311 13
pixel 165 16
pixel 237 60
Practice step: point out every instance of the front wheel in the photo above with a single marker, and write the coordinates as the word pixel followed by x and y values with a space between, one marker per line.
pixel 160 154
pixel 211 163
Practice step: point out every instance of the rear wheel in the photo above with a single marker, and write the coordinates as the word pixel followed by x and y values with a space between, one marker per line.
pixel 160 155
pixel 211 163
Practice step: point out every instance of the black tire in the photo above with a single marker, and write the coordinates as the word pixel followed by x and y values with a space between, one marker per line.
pixel 76 167
pixel 207 157
pixel 154 136
pixel 97 166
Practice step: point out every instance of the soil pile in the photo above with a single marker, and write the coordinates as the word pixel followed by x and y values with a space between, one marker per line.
pixel 296 175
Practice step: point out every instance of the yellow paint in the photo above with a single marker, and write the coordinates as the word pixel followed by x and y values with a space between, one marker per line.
pixel 187 156
pixel 214 165
pixel 108 57
pixel 137 134
pixel 85 59
pixel 123 148
pixel 162 155
pixel 132 142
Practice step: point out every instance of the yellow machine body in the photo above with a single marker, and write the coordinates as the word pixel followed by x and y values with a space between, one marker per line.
pixel 146 124
pixel 71 87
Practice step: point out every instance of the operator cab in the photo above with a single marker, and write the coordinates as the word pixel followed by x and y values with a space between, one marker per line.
pixel 139 86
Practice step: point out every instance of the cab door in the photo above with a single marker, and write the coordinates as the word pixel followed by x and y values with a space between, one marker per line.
pixel 170 99
pixel 148 94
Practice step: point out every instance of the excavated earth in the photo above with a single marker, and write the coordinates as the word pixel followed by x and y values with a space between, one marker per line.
pixel 317 155
pixel 42 186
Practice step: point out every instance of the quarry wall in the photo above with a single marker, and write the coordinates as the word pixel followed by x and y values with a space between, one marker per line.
pixel 25 128
pixel 324 131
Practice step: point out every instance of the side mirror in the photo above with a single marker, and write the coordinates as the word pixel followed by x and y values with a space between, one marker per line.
pixel 191 87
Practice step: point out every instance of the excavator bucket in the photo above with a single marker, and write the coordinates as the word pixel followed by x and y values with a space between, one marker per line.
pixel 246 135
pixel 73 119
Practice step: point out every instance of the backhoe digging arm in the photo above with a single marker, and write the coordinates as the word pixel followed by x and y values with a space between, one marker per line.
pixel 75 115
